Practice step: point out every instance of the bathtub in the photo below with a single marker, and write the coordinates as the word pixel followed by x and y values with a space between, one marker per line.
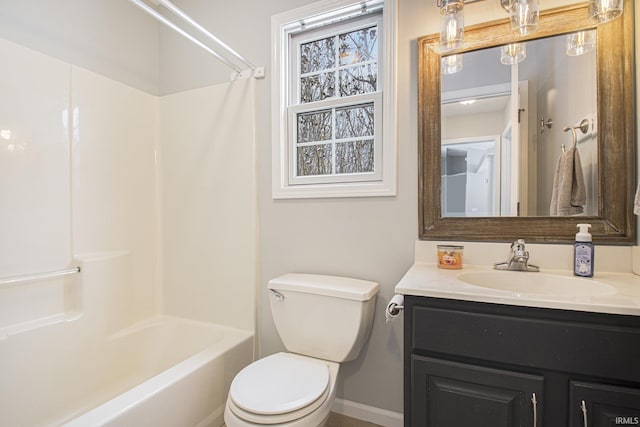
pixel 163 371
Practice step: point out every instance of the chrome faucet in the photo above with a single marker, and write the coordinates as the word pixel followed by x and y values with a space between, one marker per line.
pixel 519 259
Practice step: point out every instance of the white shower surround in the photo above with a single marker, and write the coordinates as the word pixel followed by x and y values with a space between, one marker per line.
pixel 121 150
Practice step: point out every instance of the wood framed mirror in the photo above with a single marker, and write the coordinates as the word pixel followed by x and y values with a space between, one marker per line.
pixel 611 217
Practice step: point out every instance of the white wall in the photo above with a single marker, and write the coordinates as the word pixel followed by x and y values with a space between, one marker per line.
pixel 111 37
pixel 209 204
pixel 34 181
pixel 36 207
pixel 90 184
pixel 114 178
pixel 473 125
pixel 78 177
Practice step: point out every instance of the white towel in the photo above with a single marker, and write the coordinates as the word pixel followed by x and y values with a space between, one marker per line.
pixel 569 193
pixel 636 202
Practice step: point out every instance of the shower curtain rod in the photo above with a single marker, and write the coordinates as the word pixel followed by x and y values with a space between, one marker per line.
pixel 251 69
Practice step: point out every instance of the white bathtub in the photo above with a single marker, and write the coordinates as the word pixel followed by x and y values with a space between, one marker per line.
pixel 164 371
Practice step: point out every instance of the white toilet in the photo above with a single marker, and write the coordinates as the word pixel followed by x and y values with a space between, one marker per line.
pixel 323 321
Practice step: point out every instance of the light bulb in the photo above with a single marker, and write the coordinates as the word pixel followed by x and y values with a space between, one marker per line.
pixel 513 53
pixel 524 16
pixel 452 25
pixel 581 42
pixel 451 64
pixel 602 11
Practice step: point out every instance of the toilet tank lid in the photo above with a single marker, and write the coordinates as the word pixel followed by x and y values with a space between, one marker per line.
pixel 333 286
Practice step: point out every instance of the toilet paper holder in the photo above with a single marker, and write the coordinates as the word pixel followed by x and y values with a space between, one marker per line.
pixel 394 307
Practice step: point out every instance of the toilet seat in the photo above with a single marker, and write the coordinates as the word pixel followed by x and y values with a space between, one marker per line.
pixel 279 388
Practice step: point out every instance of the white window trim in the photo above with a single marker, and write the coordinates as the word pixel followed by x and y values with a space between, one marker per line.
pixel 284 24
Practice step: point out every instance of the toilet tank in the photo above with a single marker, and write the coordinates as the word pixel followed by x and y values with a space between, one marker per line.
pixel 326 317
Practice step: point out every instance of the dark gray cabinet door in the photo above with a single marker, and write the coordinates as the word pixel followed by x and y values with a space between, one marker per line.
pixel 602 405
pixel 447 394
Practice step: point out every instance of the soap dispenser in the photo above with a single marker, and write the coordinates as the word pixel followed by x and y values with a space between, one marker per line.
pixel 583 252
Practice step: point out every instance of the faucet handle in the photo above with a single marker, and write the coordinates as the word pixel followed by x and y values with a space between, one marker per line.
pixel 518 249
pixel 518 245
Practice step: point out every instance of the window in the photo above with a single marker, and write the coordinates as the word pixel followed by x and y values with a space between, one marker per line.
pixel 334 103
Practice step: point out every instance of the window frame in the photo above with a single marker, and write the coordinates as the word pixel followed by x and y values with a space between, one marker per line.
pixel 286 38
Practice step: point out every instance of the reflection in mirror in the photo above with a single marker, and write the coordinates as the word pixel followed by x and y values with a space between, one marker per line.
pixel 531 133
pixel 470 176
pixel 551 84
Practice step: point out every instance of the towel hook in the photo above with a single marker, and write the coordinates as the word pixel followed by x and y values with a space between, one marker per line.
pixel 548 123
pixel 584 128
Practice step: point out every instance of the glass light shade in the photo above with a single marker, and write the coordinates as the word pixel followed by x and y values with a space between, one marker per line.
pixel 451 64
pixel 513 53
pixel 524 16
pixel 581 42
pixel 452 24
pixel 602 11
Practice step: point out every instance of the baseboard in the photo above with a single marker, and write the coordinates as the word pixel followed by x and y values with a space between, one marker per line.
pixel 371 414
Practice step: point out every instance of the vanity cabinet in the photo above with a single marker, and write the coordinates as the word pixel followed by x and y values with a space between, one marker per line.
pixel 481 364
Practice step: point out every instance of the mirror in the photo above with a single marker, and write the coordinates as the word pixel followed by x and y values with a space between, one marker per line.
pixel 508 208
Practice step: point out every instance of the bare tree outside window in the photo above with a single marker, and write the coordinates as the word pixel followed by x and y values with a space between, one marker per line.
pixel 337 67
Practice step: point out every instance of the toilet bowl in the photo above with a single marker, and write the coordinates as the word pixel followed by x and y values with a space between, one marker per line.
pixel 323 321
pixel 283 389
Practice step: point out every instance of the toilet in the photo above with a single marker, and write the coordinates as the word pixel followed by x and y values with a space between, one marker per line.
pixel 323 321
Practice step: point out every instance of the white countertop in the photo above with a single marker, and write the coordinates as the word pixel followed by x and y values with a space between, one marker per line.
pixel 426 279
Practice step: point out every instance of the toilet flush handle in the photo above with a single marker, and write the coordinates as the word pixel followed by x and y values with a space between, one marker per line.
pixel 277 295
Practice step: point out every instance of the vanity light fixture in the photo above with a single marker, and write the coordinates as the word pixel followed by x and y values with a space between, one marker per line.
pixel 523 14
pixel 451 64
pixel 581 42
pixel 601 11
pixel 451 23
pixel 468 101
pixel 513 53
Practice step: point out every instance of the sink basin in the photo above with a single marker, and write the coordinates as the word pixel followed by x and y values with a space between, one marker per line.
pixel 536 283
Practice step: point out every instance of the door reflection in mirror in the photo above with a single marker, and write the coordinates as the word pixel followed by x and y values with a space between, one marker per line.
pixel 471 176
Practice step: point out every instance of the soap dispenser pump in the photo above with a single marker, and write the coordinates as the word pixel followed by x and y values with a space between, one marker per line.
pixel 583 252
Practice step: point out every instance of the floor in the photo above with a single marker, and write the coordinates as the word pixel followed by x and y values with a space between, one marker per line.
pixel 338 420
